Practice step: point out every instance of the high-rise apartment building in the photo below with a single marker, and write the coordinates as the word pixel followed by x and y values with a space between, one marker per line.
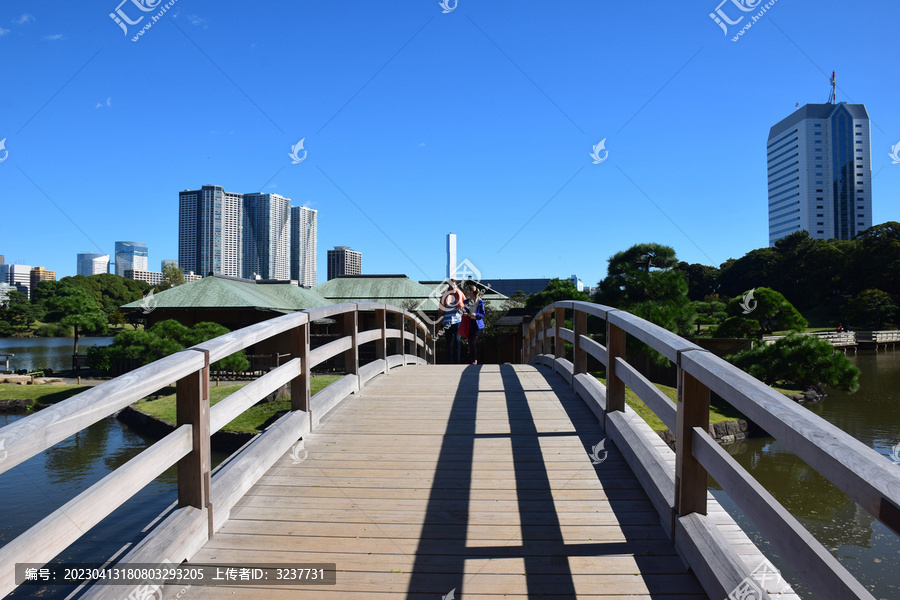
pixel 92 264
pixel 18 276
pixel 267 237
pixel 820 172
pixel 167 262
pixel 304 238
pixel 39 274
pixel 210 231
pixel 344 261
pixel 130 256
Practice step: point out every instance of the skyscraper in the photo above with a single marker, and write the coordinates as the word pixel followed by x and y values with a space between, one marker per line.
pixel 89 264
pixel 451 256
pixel 18 277
pixel 210 231
pixel 304 238
pixel 344 261
pixel 130 256
pixel 267 241
pixel 39 274
pixel 820 172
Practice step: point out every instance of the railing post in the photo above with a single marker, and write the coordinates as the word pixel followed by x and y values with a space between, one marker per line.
pixel 579 326
pixel 192 407
pixel 381 344
pixel 615 348
pixel 559 344
pixel 690 476
pixel 545 325
pixel 300 386
pixel 351 356
pixel 402 336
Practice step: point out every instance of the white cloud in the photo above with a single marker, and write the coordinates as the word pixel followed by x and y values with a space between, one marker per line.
pixel 26 18
pixel 422 144
pixel 54 37
pixel 107 104
pixel 3 31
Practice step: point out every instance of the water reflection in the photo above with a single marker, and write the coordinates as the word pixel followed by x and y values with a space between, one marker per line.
pixel 864 546
pixel 42 353
pixel 32 490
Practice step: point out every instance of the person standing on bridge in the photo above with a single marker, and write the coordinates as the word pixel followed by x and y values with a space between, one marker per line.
pixel 475 314
pixel 452 303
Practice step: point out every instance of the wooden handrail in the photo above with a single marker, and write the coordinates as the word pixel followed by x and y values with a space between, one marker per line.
pixel 205 500
pixel 859 471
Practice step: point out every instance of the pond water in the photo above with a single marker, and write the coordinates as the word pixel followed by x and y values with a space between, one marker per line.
pixel 41 353
pixel 865 547
pixel 32 490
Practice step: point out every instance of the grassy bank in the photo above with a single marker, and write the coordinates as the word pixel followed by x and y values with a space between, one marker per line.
pixel 249 421
pixel 46 394
pixel 718 412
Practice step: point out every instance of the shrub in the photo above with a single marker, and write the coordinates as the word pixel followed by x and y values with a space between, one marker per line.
pixel 801 361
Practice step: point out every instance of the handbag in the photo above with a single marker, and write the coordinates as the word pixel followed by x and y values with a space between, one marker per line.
pixel 464 326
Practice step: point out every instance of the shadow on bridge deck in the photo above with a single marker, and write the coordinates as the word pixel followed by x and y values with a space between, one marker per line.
pixel 475 479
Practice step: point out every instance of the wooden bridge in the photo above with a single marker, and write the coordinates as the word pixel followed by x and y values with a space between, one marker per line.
pixel 425 481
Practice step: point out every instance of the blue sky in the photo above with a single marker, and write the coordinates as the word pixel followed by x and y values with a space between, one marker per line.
pixel 418 122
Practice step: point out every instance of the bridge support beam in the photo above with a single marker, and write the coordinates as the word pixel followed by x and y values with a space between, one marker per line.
pixel 546 321
pixel 690 476
pixel 559 345
pixel 579 326
pixel 192 407
pixel 351 356
pixel 300 390
pixel 615 387
pixel 381 344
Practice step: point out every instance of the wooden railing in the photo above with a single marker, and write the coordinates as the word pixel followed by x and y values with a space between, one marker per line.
pixel 681 497
pixel 836 339
pixel 204 500
pixel 888 336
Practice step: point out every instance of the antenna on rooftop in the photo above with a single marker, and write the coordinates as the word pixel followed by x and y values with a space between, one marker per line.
pixel 831 97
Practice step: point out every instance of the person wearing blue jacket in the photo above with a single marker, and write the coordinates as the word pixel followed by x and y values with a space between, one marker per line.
pixel 474 311
pixel 452 303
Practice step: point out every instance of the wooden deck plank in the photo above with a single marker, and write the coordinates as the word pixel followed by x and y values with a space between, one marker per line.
pixel 441 477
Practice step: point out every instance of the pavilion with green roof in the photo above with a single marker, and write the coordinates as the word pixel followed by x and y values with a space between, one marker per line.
pixel 230 301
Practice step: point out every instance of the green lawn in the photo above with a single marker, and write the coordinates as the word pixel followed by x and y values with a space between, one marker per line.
pixel 46 394
pixel 718 412
pixel 249 421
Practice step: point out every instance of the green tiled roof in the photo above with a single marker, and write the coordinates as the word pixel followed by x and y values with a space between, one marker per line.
pixel 227 292
pixel 389 289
